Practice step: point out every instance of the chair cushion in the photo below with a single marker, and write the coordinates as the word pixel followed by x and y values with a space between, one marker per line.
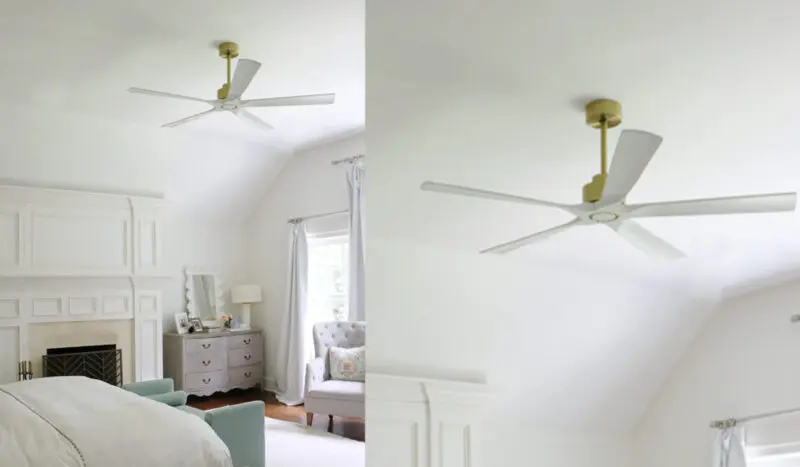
pixel 338 390
pixel 192 410
pixel 347 364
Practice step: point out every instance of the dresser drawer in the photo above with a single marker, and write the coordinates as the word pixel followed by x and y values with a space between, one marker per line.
pixel 246 376
pixel 243 357
pixel 245 341
pixel 212 345
pixel 205 381
pixel 208 360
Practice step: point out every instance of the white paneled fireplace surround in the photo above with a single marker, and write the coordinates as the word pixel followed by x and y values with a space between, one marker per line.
pixel 77 270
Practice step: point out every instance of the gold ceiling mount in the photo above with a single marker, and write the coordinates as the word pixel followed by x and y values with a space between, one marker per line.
pixel 228 51
pixel 601 114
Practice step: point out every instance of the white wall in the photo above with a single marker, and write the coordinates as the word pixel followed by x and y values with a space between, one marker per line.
pixel 566 352
pixel 308 185
pixel 743 363
pixel 515 444
pixel 218 245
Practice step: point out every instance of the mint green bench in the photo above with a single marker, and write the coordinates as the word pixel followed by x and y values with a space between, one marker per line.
pixel 240 426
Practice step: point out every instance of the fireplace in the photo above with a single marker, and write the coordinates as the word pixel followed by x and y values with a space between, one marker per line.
pixel 102 362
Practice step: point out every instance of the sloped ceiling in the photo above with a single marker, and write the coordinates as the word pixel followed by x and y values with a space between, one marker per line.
pixel 491 96
pixel 69 120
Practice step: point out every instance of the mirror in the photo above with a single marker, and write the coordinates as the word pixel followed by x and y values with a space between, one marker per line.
pixel 203 294
pixel 205 306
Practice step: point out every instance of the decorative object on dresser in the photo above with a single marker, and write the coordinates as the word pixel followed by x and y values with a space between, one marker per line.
pixel 205 363
pixel 182 322
pixel 195 324
pixel 246 295
pixel 204 295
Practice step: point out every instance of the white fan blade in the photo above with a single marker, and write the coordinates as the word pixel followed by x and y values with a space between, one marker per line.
pixel 253 120
pixel 748 204
pixel 474 192
pixel 527 240
pixel 645 240
pixel 150 92
pixel 311 99
pixel 187 119
pixel 635 149
pixel 246 69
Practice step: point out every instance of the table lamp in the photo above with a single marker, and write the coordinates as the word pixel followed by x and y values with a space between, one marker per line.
pixel 245 295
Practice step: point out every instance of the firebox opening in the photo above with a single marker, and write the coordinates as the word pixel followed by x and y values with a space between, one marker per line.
pixel 101 362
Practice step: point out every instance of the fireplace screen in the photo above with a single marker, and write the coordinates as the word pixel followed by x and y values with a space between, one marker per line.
pixel 103 362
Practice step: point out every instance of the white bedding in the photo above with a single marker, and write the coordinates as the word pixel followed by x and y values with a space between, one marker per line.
pixel 80 422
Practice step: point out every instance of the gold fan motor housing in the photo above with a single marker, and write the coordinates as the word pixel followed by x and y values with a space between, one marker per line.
pixel 229 49
pixel 603 109
pixel 600 113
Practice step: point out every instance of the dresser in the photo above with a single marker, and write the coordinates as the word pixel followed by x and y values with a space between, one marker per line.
pixel 205 363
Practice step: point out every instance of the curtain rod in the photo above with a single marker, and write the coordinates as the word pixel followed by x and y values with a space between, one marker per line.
pixel 317 216
pixel 348 160
pixel 732 422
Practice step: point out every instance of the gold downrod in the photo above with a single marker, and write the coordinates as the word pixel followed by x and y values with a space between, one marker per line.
pixel 603 154
pixel 228 59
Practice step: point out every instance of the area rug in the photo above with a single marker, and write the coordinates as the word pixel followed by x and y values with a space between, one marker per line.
pixel 294 445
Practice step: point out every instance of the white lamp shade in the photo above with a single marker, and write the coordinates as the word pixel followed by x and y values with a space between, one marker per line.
pixel 246 293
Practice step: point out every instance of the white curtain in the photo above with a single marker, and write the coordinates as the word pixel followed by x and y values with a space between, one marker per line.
pixel 293 349
pixel 355 185
pixel 729 448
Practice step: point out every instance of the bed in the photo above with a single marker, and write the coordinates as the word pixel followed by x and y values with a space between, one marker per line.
pixel 75 421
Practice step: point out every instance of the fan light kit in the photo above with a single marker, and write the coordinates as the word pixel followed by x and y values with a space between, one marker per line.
pixel 604 197
pixel 229 96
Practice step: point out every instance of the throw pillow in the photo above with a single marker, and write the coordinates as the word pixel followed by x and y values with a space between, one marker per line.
pixel 347 364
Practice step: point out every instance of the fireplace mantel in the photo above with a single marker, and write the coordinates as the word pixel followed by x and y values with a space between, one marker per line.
pixel 79 257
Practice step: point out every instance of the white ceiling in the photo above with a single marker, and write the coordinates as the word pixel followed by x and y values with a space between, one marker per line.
pixel 489 95
pixel 68 65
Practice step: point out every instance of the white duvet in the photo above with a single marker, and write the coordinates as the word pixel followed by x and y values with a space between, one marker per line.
pixel 80 422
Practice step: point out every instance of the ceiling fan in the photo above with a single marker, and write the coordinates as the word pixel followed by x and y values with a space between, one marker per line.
pixel 604 197
pixel 229 96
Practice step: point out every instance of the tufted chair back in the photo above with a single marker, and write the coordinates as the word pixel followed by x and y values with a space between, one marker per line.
pixel 337 334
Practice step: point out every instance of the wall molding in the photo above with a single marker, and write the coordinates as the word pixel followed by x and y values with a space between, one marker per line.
pixel 80 257
pixel 424 422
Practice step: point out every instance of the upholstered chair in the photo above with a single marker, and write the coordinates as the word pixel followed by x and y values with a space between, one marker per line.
pixel 324 395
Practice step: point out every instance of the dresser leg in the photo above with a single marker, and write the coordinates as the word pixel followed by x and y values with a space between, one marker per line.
pixel 309 418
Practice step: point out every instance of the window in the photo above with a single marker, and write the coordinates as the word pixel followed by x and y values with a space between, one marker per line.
pixel 786 455
pixel 327 277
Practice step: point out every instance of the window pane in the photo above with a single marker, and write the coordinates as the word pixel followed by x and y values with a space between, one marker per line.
pixel 328 276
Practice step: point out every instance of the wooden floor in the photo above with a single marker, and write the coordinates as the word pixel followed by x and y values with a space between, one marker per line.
pixel 349 428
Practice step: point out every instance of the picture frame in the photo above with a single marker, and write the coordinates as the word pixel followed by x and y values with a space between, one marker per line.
pixel 195 324
pixel 182 322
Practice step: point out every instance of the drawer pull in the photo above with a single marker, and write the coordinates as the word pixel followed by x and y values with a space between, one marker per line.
pixel 248 357
pixel 248 374
pixel 206 346
pixel 206 362
pixel 206 380
pixel 247 341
